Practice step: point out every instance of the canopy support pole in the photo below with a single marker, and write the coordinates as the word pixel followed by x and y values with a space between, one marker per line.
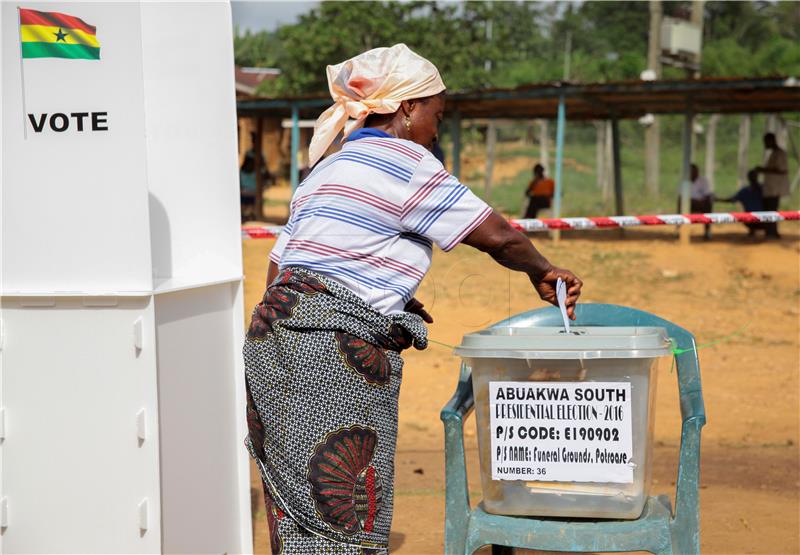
pixel 688 124
pixel 491 140
pixel 619 203
pixel 258 163
pixel 295 170
pixel 560 125
pixel 455 131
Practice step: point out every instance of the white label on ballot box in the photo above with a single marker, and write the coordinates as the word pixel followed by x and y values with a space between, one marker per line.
pixel 561 431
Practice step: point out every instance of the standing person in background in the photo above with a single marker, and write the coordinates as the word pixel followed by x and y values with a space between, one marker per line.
pixel 539 192
pixel 322 355
pixel 750 197
pixel 700 197
pixel 776 180
pixel 247 181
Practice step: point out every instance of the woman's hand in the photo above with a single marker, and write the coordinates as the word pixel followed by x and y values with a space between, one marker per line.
pixel 515 251
pixel 415 307
pixel 546 287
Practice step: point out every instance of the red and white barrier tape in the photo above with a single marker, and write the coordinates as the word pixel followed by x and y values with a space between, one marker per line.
pixel 663 219
pixel 261 231
pixel 270 232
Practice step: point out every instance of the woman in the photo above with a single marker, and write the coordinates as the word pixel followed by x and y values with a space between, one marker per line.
pixel 322 355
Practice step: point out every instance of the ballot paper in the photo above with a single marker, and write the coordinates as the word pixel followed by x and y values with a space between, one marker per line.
pixel 561 296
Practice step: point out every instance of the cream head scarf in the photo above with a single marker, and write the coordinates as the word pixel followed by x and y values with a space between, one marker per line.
pixel 375 81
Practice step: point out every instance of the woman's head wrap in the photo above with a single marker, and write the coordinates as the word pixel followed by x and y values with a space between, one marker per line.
pixel 375 81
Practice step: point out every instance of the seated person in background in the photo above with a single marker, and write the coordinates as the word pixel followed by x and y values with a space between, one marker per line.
pixel 701 197
pixel 539 192
pixel 751 198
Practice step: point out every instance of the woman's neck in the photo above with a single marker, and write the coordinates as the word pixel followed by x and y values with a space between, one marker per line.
pixel 388 123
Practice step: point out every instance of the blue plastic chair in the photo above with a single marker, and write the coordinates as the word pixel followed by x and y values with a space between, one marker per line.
pixel 658 530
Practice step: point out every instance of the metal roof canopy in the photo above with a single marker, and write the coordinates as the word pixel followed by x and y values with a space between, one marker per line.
pixel 633 99
pixel 591 101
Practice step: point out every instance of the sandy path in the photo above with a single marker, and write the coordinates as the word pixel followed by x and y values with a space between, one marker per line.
pixel 750 457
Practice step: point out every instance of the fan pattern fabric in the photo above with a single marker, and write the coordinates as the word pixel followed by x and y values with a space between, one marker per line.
pixel 323 372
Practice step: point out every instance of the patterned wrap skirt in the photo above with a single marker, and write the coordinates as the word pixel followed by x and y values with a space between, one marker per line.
pixel 323 372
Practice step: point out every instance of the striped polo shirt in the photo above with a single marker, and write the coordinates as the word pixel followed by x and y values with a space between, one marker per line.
pixel 368 216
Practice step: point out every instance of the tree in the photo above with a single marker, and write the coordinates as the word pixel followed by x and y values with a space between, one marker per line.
pixel 261 49
pixel 526 43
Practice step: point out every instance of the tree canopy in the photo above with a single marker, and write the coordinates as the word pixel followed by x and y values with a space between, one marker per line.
pixel 504 44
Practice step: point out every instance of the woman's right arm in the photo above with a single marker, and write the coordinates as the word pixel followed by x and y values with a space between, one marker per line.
pixel 515 251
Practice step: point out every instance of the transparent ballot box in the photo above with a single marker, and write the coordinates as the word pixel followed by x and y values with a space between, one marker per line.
pixel 565 421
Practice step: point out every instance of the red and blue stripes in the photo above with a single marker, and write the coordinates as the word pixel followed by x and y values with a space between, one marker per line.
pixel 369 215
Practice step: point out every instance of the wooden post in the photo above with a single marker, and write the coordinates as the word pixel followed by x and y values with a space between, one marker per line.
pixel 618 199
pixel 491 139
pixel 258 201
pixel 711 145
pixel 455 131
pixel 742 162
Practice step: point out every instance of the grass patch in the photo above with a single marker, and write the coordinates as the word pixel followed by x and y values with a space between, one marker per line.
pixel 581 195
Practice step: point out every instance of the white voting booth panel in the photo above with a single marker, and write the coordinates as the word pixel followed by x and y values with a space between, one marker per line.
pixel 191 141
pixel 198 411
pixel 121 379
pixel 80 452
pixel 74 203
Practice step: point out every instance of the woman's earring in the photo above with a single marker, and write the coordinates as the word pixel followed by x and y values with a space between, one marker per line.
pixel 408 123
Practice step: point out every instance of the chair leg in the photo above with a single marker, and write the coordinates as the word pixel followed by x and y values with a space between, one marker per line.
pixel 502 550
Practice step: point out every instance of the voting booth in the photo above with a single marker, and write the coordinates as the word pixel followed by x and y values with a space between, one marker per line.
pixel 121 379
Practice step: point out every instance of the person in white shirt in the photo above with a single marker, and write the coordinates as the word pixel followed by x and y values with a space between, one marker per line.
pixel 776 180
pixel 700 197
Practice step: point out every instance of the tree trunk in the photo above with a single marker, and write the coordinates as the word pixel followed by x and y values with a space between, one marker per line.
pixel 782 132
pixel 742 162
pixel 791 148
pixel 609 164
pixel 654 38
pixel 600 153
pixel 652 157
pixel 711 146
pixel 491 140
pixel 776 125
pixel 543 144
pixel 652 134
pixel 698 11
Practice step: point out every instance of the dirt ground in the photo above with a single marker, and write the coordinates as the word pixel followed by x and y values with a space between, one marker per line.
pixel 747 293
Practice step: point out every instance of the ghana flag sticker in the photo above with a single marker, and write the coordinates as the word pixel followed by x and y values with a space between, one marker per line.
pixel 56 35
